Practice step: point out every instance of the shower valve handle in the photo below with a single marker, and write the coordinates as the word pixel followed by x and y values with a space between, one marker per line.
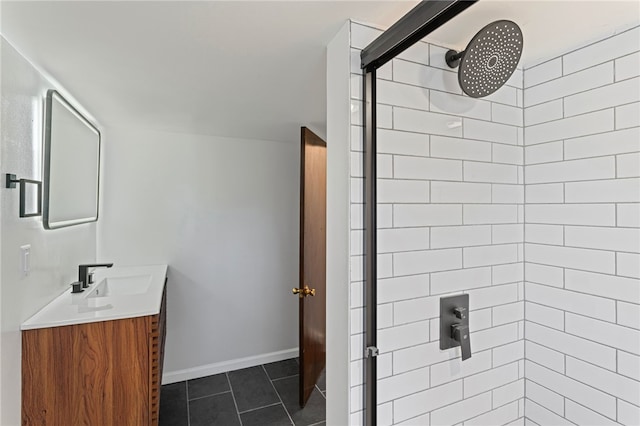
pixel 460 333
pixel 460 313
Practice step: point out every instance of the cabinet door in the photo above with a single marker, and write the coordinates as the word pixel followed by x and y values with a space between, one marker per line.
pixel 94 374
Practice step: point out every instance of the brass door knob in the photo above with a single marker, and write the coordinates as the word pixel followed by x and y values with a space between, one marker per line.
pixel 304 292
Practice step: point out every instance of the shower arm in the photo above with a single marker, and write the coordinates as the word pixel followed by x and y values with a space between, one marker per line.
pixel 453 57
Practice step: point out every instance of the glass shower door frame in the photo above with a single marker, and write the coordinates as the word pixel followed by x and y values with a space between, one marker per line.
pixel 415 25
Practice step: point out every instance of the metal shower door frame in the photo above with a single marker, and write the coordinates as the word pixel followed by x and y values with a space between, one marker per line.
pixel 415 25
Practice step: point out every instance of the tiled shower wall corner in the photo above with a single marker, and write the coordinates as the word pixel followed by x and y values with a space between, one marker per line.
pixel 582 239
pixel 450 220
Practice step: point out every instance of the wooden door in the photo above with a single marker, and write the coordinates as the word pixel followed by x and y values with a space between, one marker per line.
pixel 312 286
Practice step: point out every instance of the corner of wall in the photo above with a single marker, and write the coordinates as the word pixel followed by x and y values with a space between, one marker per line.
pixel 338 223
pixel 582 270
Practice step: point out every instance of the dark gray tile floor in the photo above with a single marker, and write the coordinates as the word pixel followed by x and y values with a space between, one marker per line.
pixel 256 396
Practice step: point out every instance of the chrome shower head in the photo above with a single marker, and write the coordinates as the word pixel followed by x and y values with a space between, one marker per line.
pixel 489 60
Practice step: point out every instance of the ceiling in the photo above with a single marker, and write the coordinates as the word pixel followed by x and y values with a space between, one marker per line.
pixel 246 69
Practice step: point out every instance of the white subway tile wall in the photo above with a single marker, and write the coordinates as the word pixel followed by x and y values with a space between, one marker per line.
pixel 453 190
pixel 529 201
pixel 582 309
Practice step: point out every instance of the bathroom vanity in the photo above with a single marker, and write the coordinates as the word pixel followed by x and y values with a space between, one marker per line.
pixel 95 357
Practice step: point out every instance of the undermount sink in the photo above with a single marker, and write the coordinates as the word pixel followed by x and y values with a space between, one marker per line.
pixel 121 286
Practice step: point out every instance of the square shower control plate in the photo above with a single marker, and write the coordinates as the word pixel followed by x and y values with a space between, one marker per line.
pixel 454 310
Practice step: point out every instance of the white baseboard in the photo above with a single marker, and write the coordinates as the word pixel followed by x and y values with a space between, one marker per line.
pixel 220 367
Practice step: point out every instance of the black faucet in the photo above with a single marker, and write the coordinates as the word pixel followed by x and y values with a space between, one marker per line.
pixel 83 272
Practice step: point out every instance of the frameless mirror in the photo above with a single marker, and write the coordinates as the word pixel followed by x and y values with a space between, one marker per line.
pixel 71 165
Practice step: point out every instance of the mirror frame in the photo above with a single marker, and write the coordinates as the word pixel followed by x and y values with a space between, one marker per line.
pixel 51 93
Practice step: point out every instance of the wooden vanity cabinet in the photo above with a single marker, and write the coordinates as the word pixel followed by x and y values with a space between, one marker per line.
pixel 101 373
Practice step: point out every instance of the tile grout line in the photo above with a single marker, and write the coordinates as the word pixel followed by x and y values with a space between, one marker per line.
pixel 573 73
pixel 260 408
pixel 564 311
pixel 207 396
pixel 235 403
pixel 524 240
pixel 565 355
pixel 186 386
pixel 282 378
pixel 279 397
pixel 321 393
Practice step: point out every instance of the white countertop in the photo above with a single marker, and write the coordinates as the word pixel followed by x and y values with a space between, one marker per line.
pixel 68 308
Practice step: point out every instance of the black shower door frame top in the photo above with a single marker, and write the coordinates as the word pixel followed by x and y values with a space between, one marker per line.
pixel 414 26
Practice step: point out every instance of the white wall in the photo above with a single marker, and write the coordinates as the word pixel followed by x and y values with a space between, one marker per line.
pixel 338 222
pixel 1 156
pixel 582 179
pixel 224 215
pixel 55 254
